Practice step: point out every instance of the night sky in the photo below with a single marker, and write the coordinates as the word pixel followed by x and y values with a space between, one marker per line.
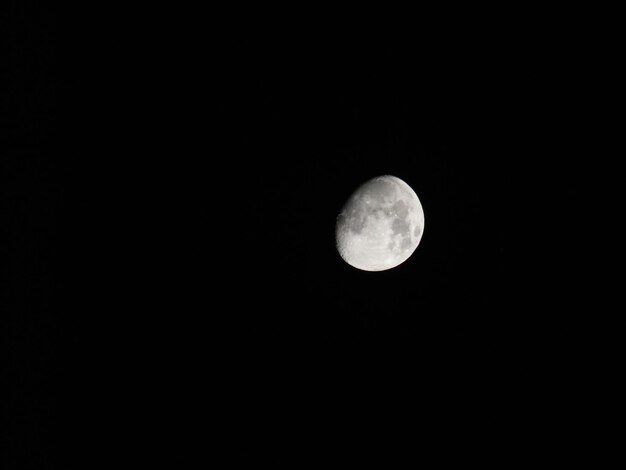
pixel 170 197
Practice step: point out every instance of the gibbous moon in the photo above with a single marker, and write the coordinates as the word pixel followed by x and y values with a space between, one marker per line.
pixel 380 225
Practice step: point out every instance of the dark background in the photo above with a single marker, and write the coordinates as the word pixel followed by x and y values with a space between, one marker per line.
pixel 169 192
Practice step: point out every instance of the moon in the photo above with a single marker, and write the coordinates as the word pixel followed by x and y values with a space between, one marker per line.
pixel 380 225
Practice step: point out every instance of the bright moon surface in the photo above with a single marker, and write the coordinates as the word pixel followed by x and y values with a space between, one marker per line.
pixel 380 225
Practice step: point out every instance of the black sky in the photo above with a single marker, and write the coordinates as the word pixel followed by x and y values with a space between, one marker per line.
pixel 170 191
